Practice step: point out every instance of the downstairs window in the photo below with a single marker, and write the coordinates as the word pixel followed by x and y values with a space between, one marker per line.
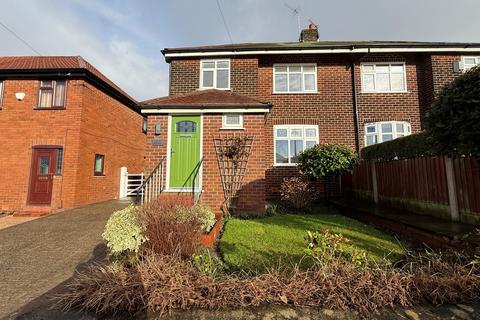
pixel 377 132
pixel 291 140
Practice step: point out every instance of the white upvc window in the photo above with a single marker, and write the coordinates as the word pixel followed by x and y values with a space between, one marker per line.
pixel 232 121
pixel 291 140
pixel 470 62
pixel 294 78
pixel 215 74
pixel 1 93
pixel 383 77
pixel 377 132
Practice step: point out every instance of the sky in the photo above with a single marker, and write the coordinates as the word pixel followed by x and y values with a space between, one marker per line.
pixel 123 38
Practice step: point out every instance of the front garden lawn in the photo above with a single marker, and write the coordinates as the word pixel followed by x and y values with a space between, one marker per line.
pixel 277 241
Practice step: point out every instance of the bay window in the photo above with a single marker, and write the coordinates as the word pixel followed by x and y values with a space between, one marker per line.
pixel 291 140
pixel 215 74
pixel 383 77
pixel 294 78
pixel 52 94
pixel 377 132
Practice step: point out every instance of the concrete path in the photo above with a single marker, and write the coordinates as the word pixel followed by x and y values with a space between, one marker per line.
pixel 39 255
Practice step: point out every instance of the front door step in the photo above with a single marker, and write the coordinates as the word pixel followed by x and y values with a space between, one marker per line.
pixel 33 211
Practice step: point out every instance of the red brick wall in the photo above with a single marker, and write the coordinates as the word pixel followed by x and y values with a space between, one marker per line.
pixel 252 195
pixel 114 127
pixel 331 108
pixel 115 131
pixel 22 127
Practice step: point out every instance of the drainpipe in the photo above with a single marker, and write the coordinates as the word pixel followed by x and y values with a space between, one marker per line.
pixel 355 102
pixel 355 110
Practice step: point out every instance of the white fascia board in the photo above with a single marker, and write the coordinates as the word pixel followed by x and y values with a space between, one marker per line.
pixel 316 51
pixel 204 111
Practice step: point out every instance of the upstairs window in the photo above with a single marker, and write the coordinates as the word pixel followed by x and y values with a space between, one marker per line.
pixel 1 93
pixel 144 125
pixel 52 94
pixel 215 74
pixel 295 78
pixel 232 121
pixel 377 132
pixel 470 62
pixel 383 77
pixel 291 140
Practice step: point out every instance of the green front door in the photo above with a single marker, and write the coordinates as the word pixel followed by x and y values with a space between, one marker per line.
pixel 185 138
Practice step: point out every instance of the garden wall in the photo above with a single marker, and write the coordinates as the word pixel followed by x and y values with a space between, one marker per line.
pixel 422 185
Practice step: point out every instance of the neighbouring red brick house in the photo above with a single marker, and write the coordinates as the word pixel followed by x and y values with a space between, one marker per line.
pixel 290 96
pixel 66 130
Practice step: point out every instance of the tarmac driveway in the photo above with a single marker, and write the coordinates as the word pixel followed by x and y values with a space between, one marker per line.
pixel 39 255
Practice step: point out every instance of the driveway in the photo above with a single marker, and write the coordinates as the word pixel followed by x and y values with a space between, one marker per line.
pixel 39 255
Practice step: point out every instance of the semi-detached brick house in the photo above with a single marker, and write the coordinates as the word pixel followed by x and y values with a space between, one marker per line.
pixel 65 132
pixel 290 96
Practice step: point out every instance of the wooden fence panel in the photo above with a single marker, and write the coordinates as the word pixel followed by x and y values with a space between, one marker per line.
pixel 467 183
pixel 362 177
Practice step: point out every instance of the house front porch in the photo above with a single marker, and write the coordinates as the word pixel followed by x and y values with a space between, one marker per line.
pixel 182 131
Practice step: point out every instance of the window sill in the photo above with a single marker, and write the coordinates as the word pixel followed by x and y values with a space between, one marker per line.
pixel 285 165
pixel 223 89
pixel 99 174
pixel 232 128
pixel 383 92
pixel 300 92
pixel 51 108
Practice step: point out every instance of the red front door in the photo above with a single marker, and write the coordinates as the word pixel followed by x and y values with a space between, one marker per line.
pixel 41 177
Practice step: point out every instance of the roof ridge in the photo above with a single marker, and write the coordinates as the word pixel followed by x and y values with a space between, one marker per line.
pixel 81 62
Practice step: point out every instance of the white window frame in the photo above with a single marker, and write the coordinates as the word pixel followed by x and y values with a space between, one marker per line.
pixel 54 89
pixel 227 126
pixel 275 91
pixel 374 64
pixel 378 130
pixel 288 138
pixel 464 66
pixel 215 69
pixel 2 84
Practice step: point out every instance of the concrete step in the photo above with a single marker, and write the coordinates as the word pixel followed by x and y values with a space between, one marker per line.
pixel 33 211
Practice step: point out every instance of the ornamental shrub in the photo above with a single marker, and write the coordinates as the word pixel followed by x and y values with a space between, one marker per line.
pixel 200 213
pixel 326 160
pixel 123 232
pixel 412 146
pixel 453 120
pixel 297 192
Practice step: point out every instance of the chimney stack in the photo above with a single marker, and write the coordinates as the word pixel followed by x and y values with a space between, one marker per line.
pixel 310 34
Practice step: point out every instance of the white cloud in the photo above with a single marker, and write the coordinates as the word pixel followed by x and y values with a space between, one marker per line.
pixel 54 29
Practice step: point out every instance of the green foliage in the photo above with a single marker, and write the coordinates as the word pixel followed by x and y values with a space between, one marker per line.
pixel 207 263
pixel 453 120
pixel 324 246
pixel 326 160
pixel 270 242
pixel 412 146
pixel 199 212
pixel 123 232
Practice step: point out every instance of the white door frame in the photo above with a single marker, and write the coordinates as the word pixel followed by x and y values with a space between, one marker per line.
pixel 169 136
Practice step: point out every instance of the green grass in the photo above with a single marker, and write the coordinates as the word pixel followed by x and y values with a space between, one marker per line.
pixel 263 243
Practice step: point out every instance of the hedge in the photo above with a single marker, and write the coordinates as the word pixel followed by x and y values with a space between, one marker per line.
pixel 412 146
pixel 453 120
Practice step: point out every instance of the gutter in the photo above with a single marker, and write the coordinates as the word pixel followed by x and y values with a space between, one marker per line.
pixel 208 53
